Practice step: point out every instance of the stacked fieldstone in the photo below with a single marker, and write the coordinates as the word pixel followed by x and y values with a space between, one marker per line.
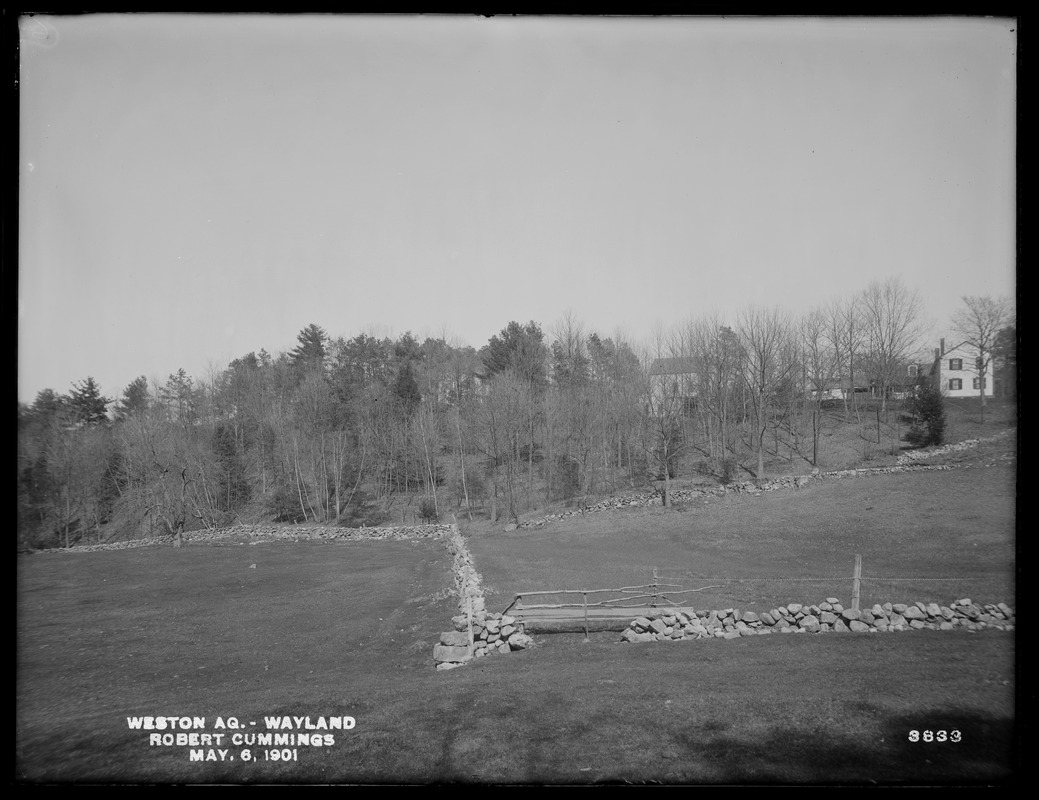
pixel 490 633
pixel 828 616
pixel 906 463
pixel 737 487
pixel 298 533
pixel 968 444
pixel 272 533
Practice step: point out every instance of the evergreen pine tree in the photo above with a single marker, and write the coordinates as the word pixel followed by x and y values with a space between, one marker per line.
pixel 134 399
pixel 406 390
pixel 926 416
pixel 87 404
pixel 311 349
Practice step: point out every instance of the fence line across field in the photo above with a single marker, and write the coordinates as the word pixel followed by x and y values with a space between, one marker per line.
pixel 658 593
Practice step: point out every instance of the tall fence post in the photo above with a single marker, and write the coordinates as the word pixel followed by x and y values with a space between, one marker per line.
pixel 469 614
pixel 855 583
pixel 655 580
pixel 585 595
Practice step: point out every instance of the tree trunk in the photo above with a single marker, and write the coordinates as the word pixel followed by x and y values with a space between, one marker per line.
pixel 981 390
pixel 815 438
pixel 461 460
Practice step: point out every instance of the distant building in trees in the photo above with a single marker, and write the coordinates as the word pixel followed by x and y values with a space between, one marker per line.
pixel 673 377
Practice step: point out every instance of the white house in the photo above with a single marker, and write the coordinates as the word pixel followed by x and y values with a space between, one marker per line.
pixel 957 374
pixel 672 384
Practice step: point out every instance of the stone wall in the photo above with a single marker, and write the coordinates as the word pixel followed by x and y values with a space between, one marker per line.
pixel 477 632
pixel 906 463
pixel 653 498
pixel 828 616
pixel 968 444
pixel 255 534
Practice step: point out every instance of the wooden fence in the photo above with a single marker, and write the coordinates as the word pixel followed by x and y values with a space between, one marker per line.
pixel 587 608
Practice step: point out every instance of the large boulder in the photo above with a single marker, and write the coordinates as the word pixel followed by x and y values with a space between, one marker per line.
pixel 455 638
pixel 443 652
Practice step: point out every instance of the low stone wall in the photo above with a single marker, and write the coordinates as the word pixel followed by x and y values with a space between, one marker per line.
pixel 254 534
pixel 653 498
pixel 297 533
pixel 476 633
pixel 968 444
pixel 906 463
pixel 828 616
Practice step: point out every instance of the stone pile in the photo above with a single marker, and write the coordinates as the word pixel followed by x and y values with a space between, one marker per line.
pixel 828 616
pixel 491 633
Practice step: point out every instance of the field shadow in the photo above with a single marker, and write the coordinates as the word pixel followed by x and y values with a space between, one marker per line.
pixel 972 749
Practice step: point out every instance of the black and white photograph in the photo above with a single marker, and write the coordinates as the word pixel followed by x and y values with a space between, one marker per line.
pixel 491 399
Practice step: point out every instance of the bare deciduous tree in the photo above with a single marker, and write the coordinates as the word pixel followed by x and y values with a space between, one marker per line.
pixel 845 332
pixel 716 354
pixel 667 386
pixel 979 322
pixel 821 364
pixel 766 339
pixel 893 328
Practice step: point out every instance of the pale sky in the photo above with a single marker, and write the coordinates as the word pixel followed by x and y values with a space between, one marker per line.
pixel 193 188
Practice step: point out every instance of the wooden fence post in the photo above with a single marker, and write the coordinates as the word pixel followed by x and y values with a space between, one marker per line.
pixel 655 580
pixel 855 582
pixel 469 614
pixel 585 595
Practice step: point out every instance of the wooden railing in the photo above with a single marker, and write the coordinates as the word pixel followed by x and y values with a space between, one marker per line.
pixel 652 595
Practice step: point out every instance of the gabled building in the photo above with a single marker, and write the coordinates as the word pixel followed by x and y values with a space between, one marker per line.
pixel 673 382
pixel 956 371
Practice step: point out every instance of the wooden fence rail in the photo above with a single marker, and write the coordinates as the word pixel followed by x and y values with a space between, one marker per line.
pixel 629 600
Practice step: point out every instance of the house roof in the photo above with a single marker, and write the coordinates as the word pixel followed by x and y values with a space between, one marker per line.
pixel 672 366
pixel 963 347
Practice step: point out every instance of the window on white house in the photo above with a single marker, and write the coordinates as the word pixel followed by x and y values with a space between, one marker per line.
pixel 954 384
pixel 913 370
pixel 979 382
pixel 955 364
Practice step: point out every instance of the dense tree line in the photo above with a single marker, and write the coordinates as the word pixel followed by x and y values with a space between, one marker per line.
pixel 368 430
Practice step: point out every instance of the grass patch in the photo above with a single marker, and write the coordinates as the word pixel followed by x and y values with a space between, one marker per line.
pixel 201 632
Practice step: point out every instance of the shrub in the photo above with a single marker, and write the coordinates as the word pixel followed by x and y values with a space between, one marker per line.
pixel 926 416
pixel 568 476
pixel 362 510
pixel 729 470
pixel 283 504
pixel 427 509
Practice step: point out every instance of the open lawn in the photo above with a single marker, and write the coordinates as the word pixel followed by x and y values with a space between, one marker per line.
pixel 346 629
pixel 200 631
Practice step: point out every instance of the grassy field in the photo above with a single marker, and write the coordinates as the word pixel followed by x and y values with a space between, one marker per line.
pixel 326 630
pixel 199 633
pixel 957 526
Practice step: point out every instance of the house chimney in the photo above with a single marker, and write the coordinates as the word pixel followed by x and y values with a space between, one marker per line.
pixel 937 355
pixel 942 342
